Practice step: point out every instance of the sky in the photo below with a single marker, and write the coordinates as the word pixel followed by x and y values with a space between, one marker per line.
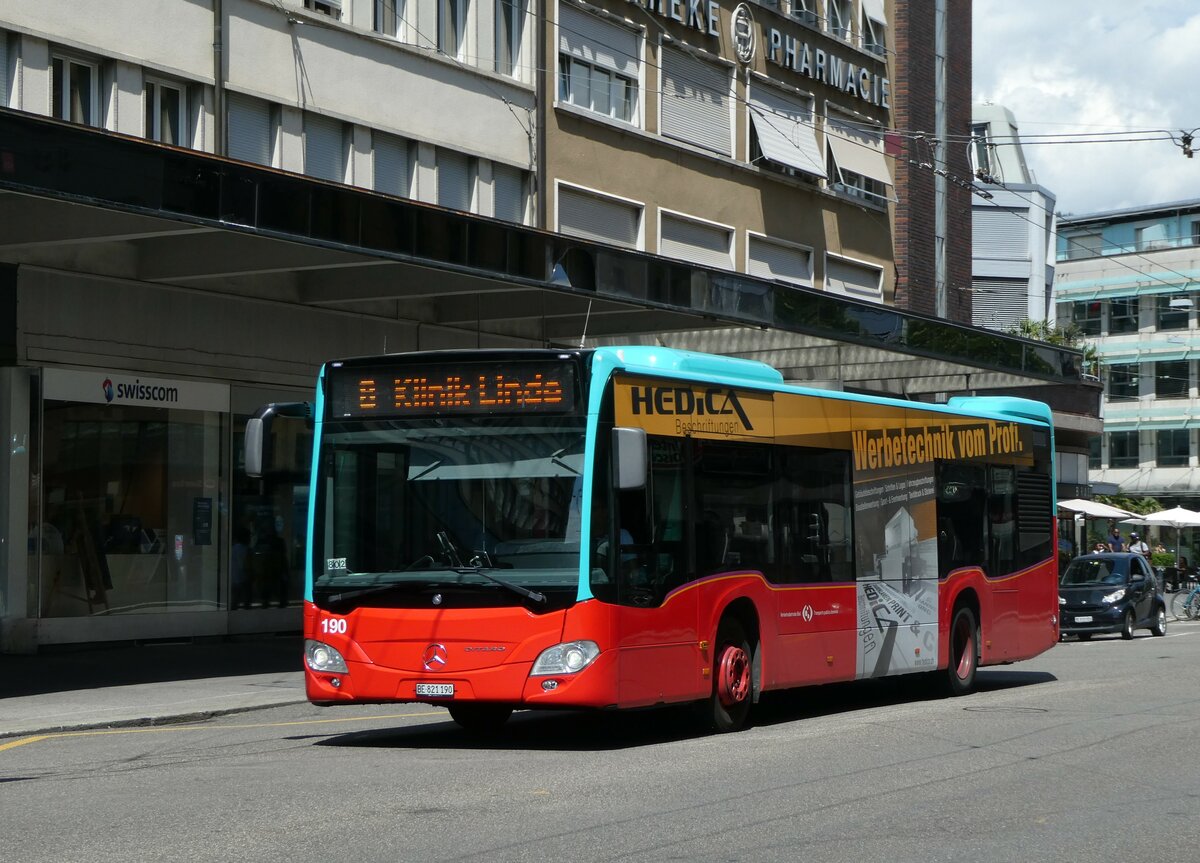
pixel 1103 67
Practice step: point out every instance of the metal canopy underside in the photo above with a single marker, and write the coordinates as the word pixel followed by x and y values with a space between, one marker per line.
pixel 85 201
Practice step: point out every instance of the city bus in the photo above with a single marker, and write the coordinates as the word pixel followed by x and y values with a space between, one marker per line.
pixel 627 527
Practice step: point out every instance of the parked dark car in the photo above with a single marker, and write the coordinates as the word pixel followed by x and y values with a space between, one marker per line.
pixel 1110 592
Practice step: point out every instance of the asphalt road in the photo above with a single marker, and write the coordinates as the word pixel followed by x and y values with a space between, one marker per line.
pixel 1082 754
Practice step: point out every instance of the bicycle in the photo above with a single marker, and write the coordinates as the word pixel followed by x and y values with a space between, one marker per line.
pixel 1185 605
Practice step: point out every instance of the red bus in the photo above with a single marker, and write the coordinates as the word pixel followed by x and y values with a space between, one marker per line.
pixel 629 527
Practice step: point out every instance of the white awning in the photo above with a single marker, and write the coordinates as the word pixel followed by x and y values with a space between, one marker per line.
pixel 787 141
pixel 1093 509
pixel 873 9
pixel 859 151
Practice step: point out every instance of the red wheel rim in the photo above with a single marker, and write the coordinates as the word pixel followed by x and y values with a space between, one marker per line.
pixel 733 676
pixel 964 647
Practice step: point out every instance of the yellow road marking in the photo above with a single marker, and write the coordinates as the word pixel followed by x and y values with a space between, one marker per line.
pixel 22 741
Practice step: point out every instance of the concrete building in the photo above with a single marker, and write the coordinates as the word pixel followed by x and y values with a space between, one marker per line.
pixel 202 200
pixel 1129 280
pixel 1013 227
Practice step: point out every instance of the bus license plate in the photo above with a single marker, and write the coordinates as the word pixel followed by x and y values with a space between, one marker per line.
pixel 1087 618
pixel 436 690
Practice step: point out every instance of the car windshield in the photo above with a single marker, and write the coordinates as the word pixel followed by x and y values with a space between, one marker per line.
pixel 1095 571
pixel 481 510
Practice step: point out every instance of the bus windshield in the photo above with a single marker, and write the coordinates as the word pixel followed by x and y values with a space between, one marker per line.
pixel 469 512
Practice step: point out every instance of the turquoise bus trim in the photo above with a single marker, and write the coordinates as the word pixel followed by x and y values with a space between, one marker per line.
pixel 318 428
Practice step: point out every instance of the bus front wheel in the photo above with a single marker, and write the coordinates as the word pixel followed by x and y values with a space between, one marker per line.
pixel 733 679
pixel 964 652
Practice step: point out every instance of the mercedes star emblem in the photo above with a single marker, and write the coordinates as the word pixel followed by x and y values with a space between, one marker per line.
pixel 434 657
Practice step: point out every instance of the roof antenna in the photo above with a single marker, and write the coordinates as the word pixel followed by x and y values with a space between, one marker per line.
pixel 586 318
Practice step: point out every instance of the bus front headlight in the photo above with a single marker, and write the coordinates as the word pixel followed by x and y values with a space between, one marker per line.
pixel 566 658
pixel 322 657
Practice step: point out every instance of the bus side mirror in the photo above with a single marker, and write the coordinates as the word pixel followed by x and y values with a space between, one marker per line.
pixel 629 458
pixel 258 432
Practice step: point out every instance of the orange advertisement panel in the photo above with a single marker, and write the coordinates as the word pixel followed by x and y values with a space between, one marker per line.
pixel 690 409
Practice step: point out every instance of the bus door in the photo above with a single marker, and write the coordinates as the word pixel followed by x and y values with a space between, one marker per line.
pixel 656 612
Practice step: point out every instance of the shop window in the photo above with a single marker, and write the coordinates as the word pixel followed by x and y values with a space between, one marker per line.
pixel 1172 447
pixel 1123 449
pixel 1171 379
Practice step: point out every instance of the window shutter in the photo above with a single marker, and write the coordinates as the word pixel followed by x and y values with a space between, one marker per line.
pixel 508 194
pixel 695 102
pixel 702 244
pixel 453 180
pixel 3 68
pixel 785 131
pixel 391 165
pixel 324 148
pixel 770 260
pixel 249 129
pixel 596 218
pixel 999 233
pixel 853 280
pixel 999 304
pixel 601 43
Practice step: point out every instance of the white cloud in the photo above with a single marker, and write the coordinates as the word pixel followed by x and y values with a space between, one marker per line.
pixel 1095 66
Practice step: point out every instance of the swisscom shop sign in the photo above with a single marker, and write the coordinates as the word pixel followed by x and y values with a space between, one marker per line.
pixel 116 387
pixel 783 49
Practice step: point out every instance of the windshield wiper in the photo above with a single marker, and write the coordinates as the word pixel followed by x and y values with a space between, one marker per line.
pixel 533 595
pixel 374 590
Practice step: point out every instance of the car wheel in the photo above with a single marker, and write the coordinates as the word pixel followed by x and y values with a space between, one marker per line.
pixel 1127 626
pixel 1160 622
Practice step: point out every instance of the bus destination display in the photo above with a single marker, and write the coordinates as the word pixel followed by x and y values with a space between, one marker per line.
pixel 451 388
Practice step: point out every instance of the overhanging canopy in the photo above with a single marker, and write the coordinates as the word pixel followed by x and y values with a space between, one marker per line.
pixel 857 150
pixel 1093 509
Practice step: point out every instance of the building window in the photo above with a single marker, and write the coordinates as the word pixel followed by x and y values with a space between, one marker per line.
pixel 452 27
pixel 1173 312
pixel 1094 447
pixel 252 129
pixel 455 180
pixel 1123 382
pixel 1172 449
pixel 700 243
pixel 389 17
pixel 981 148
pixel 1196 233
pixel 1123 449
pixel 597 65
pixel 874 27
pixel 694 102
pixel 839 18
pixel 1123 315
pixel 1084 246
pixel 325 148
pixel 775 259
pixel 332 8
pixel 510 28
pixel 75 91
pixel 1171 379
pixel 165 118
pixel 392 159
pixel 1087 316
pixel 855 161
pixel 598 217
pixel 806 11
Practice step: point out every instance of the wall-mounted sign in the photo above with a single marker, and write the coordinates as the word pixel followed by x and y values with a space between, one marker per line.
pixel 742 33
pixel 828 68
pixel 115 387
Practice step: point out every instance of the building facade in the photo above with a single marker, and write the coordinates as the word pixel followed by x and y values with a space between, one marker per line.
pixel 1128 280
pixel 1013 228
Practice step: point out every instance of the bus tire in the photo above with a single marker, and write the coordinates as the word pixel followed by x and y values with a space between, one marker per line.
pixel 733 679
pixel 480 718
pixel 964 652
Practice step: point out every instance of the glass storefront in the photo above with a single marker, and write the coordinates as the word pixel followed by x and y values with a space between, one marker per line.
pixel 130 485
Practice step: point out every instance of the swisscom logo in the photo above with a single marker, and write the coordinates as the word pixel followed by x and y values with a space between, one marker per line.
pixel 138 391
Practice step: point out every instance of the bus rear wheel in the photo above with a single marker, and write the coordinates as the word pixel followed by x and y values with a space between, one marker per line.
pixel 480 718
pixel 733 679
pixel 964 652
